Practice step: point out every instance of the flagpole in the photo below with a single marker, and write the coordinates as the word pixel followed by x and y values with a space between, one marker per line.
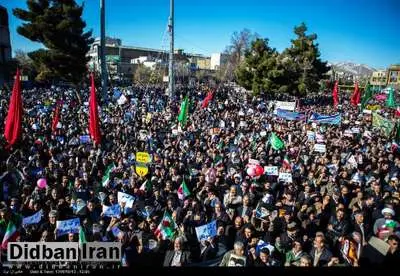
pixel 103 49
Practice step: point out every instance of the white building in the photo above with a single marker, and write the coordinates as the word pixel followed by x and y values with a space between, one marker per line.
pixel 218 60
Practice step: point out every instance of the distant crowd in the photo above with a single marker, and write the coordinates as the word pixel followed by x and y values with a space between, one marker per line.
pixel 336 209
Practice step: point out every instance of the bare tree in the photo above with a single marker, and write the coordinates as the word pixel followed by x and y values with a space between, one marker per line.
pixel 240 43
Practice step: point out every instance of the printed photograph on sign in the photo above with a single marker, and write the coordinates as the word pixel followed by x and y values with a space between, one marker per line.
pixel 236 261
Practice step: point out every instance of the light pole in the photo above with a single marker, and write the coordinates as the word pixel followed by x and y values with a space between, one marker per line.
pixel 171 49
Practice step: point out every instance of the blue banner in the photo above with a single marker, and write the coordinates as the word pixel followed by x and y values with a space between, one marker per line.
pixel 35 218
pixel 68 226
pixel 289 115
pixel 206 231
pixel 326 119
pixel 112 211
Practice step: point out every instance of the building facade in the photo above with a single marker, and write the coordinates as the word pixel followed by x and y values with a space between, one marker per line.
pixel 393 76
pixel 218 60
pixel 5 46
pixel 379 78
pixel 388 77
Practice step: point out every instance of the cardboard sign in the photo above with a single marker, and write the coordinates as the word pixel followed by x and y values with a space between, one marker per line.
pixel 285 177
pixel 320 148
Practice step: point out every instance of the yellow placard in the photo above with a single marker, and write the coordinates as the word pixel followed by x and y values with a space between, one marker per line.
pixel 142 170
pixel 148 118
pixel 373 107
pixel 143 157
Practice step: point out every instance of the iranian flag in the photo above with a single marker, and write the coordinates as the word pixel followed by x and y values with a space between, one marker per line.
pixel 166 229
pixel 146 186
pixel 11 235
pixel 286 163
pixel 183 191
pixel 106 178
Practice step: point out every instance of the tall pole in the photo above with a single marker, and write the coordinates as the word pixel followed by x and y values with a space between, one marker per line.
pixel 171 49
pixel 103 49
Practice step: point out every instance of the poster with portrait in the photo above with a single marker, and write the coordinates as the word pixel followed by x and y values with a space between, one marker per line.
pixel 237 261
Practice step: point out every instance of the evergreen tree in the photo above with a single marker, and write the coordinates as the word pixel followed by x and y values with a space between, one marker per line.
pixel 304 67
pixel 261 70
pixel 58 25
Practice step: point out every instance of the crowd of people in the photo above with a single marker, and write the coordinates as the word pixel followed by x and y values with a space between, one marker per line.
pixel 339 206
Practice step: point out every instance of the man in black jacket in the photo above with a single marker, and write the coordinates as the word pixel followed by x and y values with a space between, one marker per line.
pixel 361 227
pixel 338 227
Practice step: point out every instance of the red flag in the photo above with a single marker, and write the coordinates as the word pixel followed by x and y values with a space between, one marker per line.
pixel 56 118
pixel 335 94
pixel 207 99
pixel 397 112
pixel 13 127
pixel 94 128
pixel 355 99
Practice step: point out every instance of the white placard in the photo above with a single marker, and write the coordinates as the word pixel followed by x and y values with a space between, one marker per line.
pixel 355 130
pixel 319 137
pixel 263 133
pixel 320 148
pixel 291 106
pixel 271 170
pixel 254 162
pixel 286 177
pixel 128 199
pixel 310 135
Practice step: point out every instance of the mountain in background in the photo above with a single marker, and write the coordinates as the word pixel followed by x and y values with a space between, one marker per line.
pixel 350 68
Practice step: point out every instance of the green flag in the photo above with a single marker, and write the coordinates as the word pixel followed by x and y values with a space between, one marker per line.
pixel 276 142
pixel 183 191
pixel 106 178
pixel 82 237
pixel 367 95
pixel 182 118
pixel 390 101
pixel 382 123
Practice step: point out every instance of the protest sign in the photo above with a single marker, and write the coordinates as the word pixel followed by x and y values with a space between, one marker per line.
pixel 271 170
pixel 320 148
pixel 128 199
pixel 84 139
pixel 67 226
pixel 285 177
pixel 206 231
pixel 35 218
pixel 310 135
pixel 142 170
pixel 112 211
pixel 143 157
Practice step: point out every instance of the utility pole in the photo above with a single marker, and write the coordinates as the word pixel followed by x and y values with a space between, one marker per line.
pixel 103 50
pixel 171 50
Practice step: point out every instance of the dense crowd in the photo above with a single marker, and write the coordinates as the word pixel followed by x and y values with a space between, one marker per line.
pixel 327 215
